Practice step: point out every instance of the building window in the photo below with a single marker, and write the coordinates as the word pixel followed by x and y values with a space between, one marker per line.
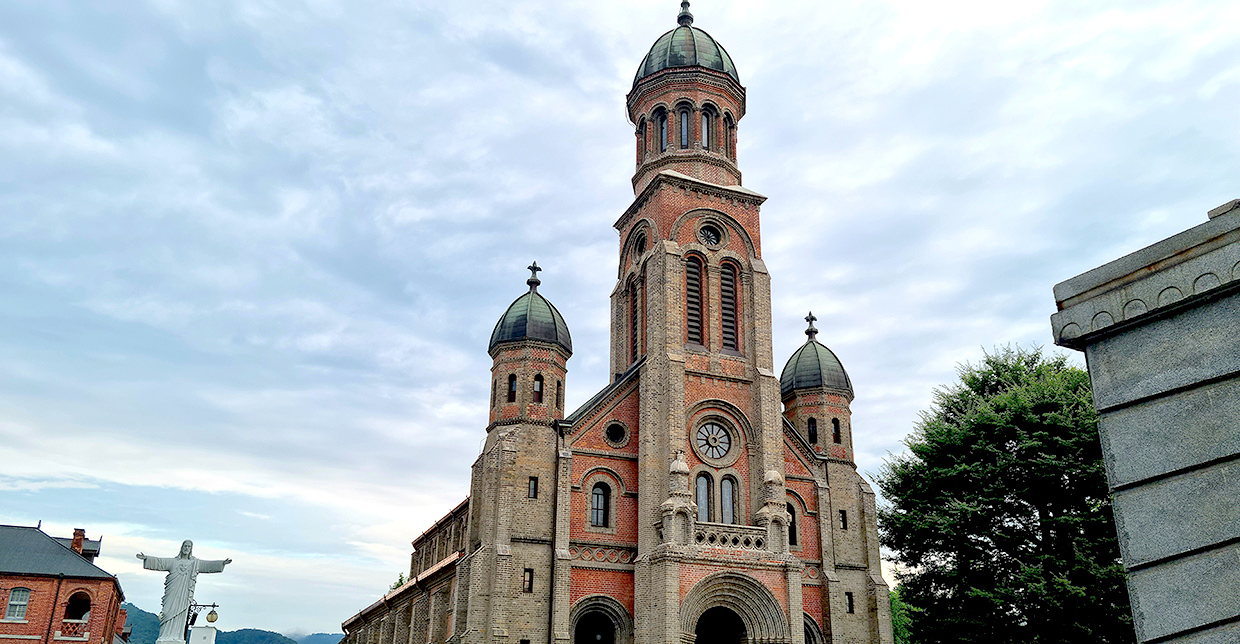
pixel 512 387
pixel 693 300
pixel 600 505
pixel 727 304
pixel 559 394
pixel 538 388
pixel 843 519
pixel 633 317
pixel 705 130
pixel 662 132
pixel 727 500
pixel 835 431
pixel 527 584
pixel 684 129
pixel 729 138
pixel 812 425
pixel 792 525
pixel 533 491
pixel 494 391
pixel 19 599
pixel 78 608
pixel 703 497
pixel 641 140
pixel 848 599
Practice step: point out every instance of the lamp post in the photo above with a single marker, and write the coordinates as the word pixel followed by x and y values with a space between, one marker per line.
pixel 194 609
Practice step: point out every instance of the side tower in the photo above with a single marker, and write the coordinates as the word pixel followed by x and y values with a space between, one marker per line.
pixel 508 581
pixel 832 506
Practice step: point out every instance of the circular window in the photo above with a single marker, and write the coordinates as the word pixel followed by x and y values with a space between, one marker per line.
pixel 640 246
pixel 615 434
pixel 709 235
pixel 713 441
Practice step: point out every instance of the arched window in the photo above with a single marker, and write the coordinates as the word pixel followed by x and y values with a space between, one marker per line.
pixel 19 599
pixel 792 525
pixel 729 138
pixel 693 300
pixel 812 425
pixel 538 388
pixel 835 431
pixel 633 318
pixel 662 131
pixel 512 387
pixel 494 391
pixel 641 140
pixel 706 121
pixel 78 608
pixel 559 394
pixel 684 129
pixel 727 500
pixel 600 505
pixel 703 497
pixel 727 305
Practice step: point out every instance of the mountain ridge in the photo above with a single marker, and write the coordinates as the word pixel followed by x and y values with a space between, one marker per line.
pixel 146 630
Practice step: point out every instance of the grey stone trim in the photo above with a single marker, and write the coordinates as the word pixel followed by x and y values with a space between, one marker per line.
pixel 1193 262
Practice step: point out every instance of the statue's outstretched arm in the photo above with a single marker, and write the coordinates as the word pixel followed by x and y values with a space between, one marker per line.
pixel 212 565
pixel 155 563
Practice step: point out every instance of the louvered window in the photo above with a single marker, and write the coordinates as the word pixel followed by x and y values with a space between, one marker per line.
pixel 727 302
pixel 633 317
pixel 693 300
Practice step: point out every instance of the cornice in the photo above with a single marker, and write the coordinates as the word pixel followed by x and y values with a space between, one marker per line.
pixel 675 179
pixel 661 160
pixel 671 76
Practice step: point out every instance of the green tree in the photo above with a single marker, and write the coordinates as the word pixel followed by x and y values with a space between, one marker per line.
pixel 400 581
pixel 999 511
pixel 901 618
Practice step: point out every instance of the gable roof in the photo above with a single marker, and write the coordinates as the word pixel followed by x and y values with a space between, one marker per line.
pixel 602 395
pixel 29 551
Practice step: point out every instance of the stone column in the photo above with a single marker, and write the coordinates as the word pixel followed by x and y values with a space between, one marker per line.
pixel 1160 329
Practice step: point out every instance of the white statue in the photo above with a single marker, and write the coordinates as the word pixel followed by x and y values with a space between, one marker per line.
pixel 183 572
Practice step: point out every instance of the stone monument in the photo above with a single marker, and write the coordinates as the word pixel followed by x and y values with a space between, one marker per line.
pixel 179 585
pixel 1160 329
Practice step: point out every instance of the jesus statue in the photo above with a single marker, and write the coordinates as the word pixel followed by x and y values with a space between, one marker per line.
pixel 183 572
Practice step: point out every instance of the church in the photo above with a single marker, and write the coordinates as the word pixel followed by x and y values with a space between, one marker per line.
pixel 698 497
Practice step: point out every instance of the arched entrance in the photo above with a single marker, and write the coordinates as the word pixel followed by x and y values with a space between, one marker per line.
pixel 595 627
pixel 720 625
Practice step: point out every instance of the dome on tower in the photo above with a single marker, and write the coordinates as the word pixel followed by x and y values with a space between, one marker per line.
pixel 686 46
pixel 531 317
pixel 813 365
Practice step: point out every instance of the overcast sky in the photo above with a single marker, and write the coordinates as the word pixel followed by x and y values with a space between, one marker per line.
pixel 251 251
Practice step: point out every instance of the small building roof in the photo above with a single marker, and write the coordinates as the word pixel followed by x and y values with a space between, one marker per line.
pixel 29 551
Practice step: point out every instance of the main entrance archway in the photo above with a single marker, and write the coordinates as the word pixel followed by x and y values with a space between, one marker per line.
pixel 595 627
pixel 720 625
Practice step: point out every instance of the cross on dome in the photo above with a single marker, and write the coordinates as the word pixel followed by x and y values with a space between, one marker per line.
pixel 533 281
pixel 811 331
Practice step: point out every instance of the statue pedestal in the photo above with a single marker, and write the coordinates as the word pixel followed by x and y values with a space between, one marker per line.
pixel 202 635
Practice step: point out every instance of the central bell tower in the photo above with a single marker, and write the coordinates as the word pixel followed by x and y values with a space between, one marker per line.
pixel 692 312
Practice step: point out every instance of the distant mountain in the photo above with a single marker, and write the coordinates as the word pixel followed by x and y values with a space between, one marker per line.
pixel 320 638
pixel 146 631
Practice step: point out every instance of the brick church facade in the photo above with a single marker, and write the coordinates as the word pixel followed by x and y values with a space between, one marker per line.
pixel 699 497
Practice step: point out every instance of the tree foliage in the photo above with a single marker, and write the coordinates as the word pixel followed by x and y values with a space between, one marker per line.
pixel 901 618
pixel 999 511
pixel 400 581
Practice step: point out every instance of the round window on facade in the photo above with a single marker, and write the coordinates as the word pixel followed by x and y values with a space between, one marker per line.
pixel 640 246
pixel 713 440
pixel 709 235
pixel 616 435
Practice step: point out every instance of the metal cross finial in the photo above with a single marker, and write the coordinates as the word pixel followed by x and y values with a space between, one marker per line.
pixel 811 331
pixel 533 281
pixel 685 18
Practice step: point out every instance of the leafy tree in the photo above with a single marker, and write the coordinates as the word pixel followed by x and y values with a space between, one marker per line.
pixel 901 618
pixel 999 511
pixel 400 581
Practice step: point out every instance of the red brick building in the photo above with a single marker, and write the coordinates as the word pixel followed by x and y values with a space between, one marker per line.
pixel 699 497
pixel 52 592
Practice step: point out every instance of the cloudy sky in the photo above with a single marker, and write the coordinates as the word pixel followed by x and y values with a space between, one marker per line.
pixel 251 251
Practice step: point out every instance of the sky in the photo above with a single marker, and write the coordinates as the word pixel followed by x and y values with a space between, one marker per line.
pixel 251 252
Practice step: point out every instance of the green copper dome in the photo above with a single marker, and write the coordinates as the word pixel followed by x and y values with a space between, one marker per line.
pixel 686 46
pixel 531 317
pixel 813 365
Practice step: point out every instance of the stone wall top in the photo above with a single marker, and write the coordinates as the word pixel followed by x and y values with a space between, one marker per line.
pixel 1148 281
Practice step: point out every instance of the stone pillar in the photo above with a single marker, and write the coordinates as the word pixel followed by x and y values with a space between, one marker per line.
pixel 1160 329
